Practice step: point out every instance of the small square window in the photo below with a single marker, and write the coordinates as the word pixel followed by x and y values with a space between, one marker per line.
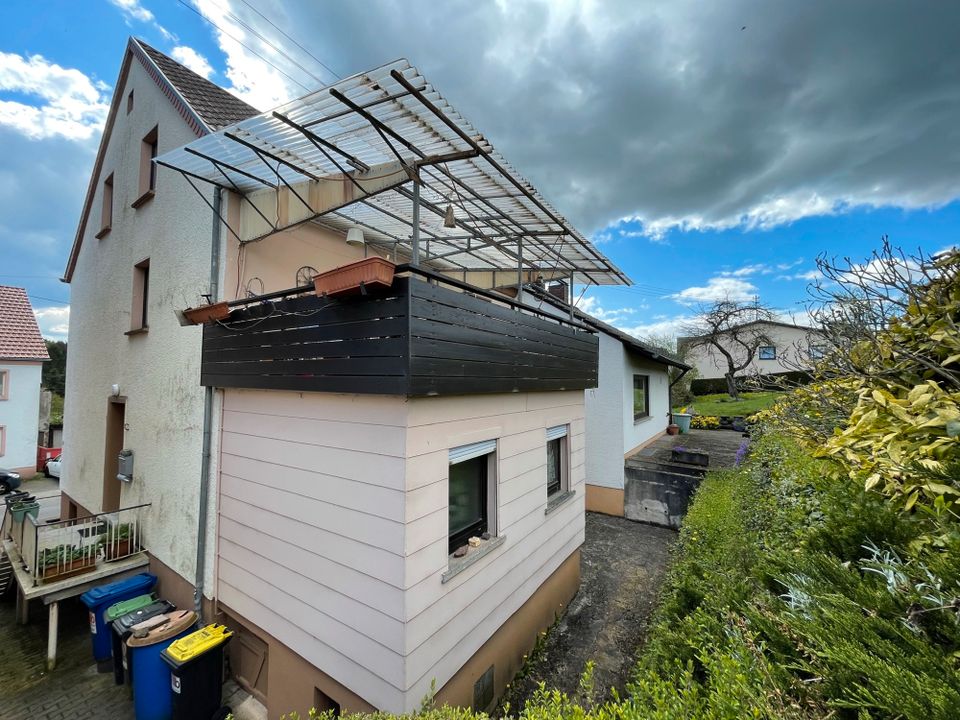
pixel 557 474
pixel 641 397
pixel 767 352
pixel 472 493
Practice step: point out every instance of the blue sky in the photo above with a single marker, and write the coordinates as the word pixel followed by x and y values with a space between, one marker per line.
pixel 708 151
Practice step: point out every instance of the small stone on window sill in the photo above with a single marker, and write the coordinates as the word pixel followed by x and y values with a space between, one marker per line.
pixel 458 564
pixel 557 500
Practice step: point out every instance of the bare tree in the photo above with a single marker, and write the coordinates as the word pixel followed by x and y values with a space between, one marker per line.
pixel 732 329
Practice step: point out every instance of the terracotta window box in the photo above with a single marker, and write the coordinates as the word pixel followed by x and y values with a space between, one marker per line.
pixel 68 569
pixel 207 313
pixel 356 278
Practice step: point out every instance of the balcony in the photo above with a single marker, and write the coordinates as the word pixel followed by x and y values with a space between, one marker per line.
pixel 426 335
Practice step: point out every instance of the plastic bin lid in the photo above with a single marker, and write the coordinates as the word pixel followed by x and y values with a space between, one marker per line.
pixel 126 606
pixel 196 643
pixel 124 623
pixel 161 627
pixel 141 583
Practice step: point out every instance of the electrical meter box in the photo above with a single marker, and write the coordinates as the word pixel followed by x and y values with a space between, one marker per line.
pixel 125 465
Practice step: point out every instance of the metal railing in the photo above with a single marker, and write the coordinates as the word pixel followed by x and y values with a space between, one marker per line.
pixel 60 549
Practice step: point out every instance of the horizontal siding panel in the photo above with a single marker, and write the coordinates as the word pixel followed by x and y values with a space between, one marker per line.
pixel 383 502
pixel 353 615
pixel 517 443
pixel 510 489
pixel 368 529
pixel 362 467
pixel 342 434
pixel 373 561
pixel 299 638
pixel 339 578
pixel 355 409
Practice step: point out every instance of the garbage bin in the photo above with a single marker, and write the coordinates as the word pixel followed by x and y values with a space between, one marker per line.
pixel 99 599
pixel 121 626
pixel 196 672
pixel 683 420
pixel 152 697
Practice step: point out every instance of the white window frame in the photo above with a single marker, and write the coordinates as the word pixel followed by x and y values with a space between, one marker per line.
pixel 760 350
pixel 463 453
pixel 560 433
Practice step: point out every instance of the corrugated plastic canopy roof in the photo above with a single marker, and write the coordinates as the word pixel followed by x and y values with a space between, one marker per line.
pixel 388 114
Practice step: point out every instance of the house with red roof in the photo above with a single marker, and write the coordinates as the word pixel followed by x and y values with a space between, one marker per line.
pixel 22 354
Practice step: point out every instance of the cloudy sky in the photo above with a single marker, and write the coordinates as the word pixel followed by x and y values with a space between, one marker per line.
pixel 710 149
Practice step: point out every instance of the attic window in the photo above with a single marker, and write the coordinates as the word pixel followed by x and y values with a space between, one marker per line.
pixel 106 211
pixel 148 168
pixel 130 102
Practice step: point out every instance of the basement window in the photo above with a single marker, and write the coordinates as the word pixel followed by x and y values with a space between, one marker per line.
pixel 767 352
pixel 472 493
pixel 148 168
pixel 141 297
pixel 106 208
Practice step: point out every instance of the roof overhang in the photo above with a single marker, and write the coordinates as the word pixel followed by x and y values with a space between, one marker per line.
pixel 383 151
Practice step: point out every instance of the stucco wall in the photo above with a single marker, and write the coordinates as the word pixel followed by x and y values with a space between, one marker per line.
pixel 604 412
pixel 334 525
pixel 792 345
pixel 636 433
pixel 158 372
pixel 19 414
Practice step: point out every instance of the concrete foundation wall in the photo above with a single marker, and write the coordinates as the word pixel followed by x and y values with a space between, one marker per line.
pixel 657 496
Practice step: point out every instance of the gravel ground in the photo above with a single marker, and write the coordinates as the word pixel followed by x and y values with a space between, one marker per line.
pixel 622 567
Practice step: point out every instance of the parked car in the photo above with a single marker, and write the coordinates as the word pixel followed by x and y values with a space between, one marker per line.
pixel 9 481
pixel 51 468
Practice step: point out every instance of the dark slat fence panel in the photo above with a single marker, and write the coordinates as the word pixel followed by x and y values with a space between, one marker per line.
pixel 418 339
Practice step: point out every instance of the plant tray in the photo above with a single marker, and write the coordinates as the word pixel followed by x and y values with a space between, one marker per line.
pixel 120 550
pixel 66 570
pixel 207 313
pixel 356 278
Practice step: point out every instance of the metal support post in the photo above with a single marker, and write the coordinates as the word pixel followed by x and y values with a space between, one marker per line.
pixel 415 240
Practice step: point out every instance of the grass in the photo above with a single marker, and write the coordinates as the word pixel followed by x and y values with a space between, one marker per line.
pixel 723 404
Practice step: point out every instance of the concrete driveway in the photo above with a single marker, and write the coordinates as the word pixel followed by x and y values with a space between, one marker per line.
pixel 622 567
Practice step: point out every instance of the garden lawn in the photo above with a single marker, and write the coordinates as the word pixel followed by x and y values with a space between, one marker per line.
pixel 723 404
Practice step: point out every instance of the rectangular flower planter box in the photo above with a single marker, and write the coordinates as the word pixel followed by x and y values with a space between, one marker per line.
pixel 118 550
pixel 207 313
pixel 690 457
pixel 63 571
pixel 355 278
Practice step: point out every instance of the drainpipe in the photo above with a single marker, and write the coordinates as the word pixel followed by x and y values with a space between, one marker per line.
pixel 207 422
pixel 677 379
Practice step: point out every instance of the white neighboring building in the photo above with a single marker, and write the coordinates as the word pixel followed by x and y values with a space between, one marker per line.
pixel 629 407
pixel 22 354
pixel 787 348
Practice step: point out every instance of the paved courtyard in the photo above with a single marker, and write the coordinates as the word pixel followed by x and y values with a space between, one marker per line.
pixel 622 566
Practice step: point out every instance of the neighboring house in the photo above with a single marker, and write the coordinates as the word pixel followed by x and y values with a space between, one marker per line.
pixel 785 347
pixel 629 407
pixel 22 354
pixel 356 446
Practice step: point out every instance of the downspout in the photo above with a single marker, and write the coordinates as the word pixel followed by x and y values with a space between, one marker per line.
pixel 670 391
pixel 207 422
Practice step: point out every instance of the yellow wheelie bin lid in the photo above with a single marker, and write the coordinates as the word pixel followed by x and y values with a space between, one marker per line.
pixel 197 643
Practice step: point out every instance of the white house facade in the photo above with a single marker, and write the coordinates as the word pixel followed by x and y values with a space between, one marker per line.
pixel 22 354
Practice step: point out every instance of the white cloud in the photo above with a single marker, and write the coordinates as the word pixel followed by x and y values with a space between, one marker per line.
pixel 193 60
pixel 717 288
pixel 133 10
pixel 748 270
pixel 809 276
pixel 615 317
pixel 72 106
pixel 54 321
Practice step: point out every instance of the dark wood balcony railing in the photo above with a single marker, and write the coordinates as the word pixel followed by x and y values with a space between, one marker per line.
pixel 418 338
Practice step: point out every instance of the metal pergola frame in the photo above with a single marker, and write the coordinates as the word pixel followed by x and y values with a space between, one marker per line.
pixel 391 116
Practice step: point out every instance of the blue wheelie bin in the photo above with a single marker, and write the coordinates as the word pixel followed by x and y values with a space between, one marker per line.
pixel 152 692
pixel 99 599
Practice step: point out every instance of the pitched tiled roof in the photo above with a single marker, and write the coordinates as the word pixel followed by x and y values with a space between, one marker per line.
pixel 217 107
pixel 19 335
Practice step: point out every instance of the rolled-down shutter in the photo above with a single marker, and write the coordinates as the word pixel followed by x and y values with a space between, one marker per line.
pixel 556 432
pixel 468 452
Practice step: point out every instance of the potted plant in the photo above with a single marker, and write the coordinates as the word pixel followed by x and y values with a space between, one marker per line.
pixel 20 509
pixel 63 561
pixel 673 429
pixel 119 541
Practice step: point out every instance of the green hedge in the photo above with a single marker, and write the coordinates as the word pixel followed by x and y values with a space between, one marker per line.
pixel 774 381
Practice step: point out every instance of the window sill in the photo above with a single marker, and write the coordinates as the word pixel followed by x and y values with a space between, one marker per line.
pixel 558 500
pixel 148 195
pixel 138 331
pixel 638 420
pixel 458 565
pixel 103 233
